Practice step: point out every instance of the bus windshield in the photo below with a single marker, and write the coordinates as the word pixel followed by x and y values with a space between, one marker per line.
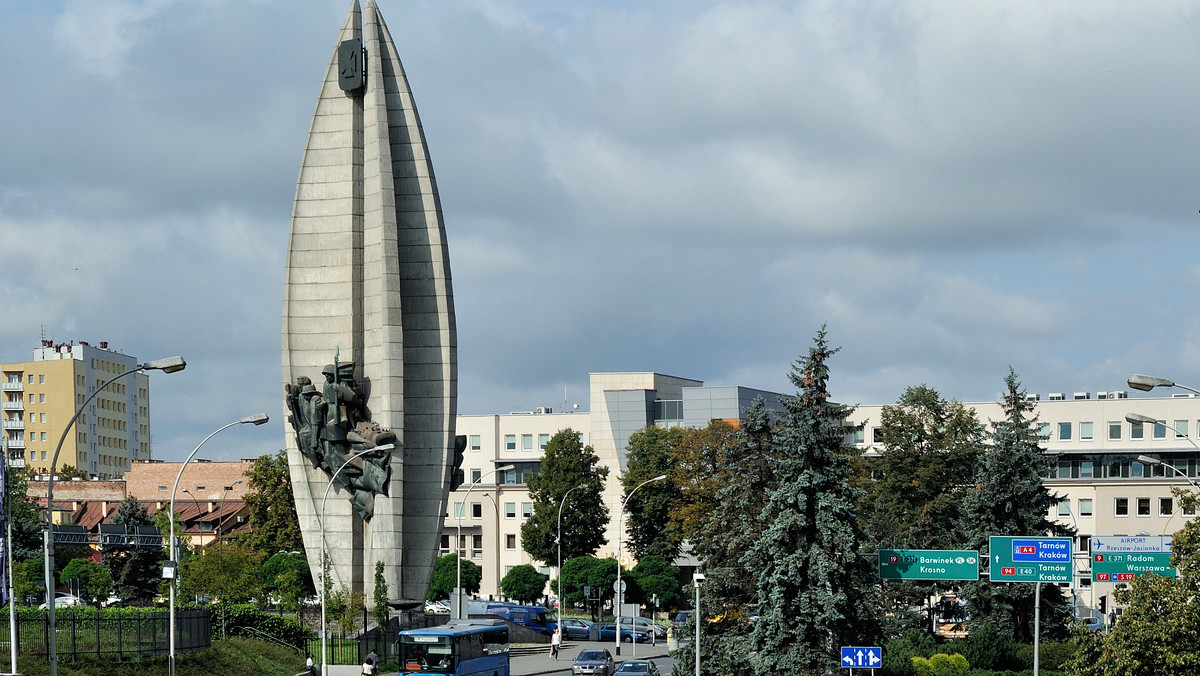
pixel 460 650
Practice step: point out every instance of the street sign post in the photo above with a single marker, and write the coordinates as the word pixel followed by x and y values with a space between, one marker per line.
pixel 1030 559
pixel 1121 558
pixel 928 564
pixel 862 658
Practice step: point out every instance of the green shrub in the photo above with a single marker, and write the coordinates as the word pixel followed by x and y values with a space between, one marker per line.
pixel 991 647
pixel 239 617
pixel 898 653
pixel 940 664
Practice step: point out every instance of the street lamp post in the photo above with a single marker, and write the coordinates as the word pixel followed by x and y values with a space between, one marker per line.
pixel 324 498
pixel 196 503
pixel 254 420
pixel 619 592
pixel 1146 383
pixel 558 541
pixel 167 365
pixel 221 510
pixel 457 613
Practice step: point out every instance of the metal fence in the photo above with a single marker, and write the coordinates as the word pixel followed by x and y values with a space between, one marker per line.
pixel 126 635
pixel 353 647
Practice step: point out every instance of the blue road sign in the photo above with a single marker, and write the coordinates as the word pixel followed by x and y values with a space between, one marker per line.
pixel 862 658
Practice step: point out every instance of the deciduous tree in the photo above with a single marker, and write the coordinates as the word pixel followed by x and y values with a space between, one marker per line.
pixel 136 571
pixel 648 510
pixel 445 572
pixel 523 583
pixel 566 463
pixel 274 526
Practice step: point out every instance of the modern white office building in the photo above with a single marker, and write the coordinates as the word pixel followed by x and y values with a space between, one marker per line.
pixel 1106 489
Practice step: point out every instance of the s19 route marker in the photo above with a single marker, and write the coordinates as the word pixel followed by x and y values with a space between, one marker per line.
pixel 1030 559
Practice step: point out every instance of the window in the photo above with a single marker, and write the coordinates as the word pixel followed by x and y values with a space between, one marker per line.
pixel 1160 429
pixel 476 510
pixel 526 510
pixel 41 398
pixel 458 510
pixel 1136 431
pixel 877 435
pixel 1064 431
pixel 1085 508
pixel 858 436
pixel 1114 430
pixel 1143 506
pixel 1181 429
pixel 510 442
pixel 1044 431
pixel 1085 469
pixel 1121 507
pixel 1189 510
pixel 43 438
pixel 510 541
pixel 476 474
pixel 477 546
pixel 510 510
pixel 473 442
pixel 445 542
pixel 41 380
pixel 163 489
pixel 41 417
pixel 543 441
pixel 1085 431
pixel 1064 508
pixel 1166 506
pixel 30 378
pixel 526 442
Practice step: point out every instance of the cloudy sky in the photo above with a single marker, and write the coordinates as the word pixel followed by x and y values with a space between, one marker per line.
pixel 690 187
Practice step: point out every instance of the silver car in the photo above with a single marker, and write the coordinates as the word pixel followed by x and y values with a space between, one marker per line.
pixel 593 663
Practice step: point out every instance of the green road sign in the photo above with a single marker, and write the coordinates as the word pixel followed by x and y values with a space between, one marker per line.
pixel 1030 559
pixel 1124 566
pixel 928 564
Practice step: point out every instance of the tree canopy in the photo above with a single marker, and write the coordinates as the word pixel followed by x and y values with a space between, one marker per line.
pixel 523 583
pixel 445 573
pixel 648 509
pixel 136 571
pixel 271 507
pixel 566 463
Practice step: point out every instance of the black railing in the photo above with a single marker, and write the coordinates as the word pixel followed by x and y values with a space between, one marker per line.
pixel 127 634
pixel 353 647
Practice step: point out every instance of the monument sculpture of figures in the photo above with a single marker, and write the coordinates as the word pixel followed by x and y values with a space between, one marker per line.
pixel 369 354
pixel 333 429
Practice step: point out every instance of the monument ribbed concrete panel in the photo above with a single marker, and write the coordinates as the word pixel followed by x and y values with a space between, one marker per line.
pixel 357 254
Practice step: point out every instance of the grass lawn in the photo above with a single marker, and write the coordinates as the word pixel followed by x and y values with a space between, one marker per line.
pixel 234 656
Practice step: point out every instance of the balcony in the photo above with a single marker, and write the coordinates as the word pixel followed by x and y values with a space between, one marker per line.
pixel 17 386
pixel 14 424
pixel 17 405
pixel 18 443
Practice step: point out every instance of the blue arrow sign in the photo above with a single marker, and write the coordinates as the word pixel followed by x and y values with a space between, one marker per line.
pixel 862 658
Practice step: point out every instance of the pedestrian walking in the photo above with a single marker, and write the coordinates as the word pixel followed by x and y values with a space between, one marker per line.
pixel 555 642
pixel 310 666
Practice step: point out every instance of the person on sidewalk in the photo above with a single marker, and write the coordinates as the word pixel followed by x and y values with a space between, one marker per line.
pixel 555 642
pixel 308 664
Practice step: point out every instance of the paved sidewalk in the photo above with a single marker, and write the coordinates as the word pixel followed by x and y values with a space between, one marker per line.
pixel 540 663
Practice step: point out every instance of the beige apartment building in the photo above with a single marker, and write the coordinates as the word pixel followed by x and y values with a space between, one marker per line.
pixel 41 395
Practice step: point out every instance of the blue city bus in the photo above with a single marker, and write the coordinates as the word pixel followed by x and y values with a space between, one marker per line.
pixel 460 647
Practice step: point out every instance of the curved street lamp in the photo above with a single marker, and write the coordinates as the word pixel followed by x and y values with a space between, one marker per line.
pixel 457 610
pixel 324 498
pixel 253 420
pixel 221 510
pixel 1146 383
pixel 167 365
pixel 558 541
pixel 620 539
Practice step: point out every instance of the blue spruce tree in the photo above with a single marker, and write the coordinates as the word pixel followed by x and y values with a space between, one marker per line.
pixel 815 592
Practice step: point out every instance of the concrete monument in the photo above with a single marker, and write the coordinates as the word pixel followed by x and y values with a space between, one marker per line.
pixel 368 314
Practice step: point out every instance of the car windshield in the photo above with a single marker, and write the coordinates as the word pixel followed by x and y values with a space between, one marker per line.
pixel 633 666
pixel 590 656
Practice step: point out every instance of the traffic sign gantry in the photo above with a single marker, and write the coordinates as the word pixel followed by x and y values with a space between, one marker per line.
pixel 928 564
pixel 1030 559
pixel 1121 558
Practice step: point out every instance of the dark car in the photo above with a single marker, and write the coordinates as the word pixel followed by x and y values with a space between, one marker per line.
pixel 607 632
pixel 574 628
pixel 593 663
pixel 637 668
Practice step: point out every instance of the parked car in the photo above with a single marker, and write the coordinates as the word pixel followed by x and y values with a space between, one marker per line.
pixel 637 668
pixel 437 607
pixel 644 624
pixel 682 617
pixel 1092 622
pixel 575 628
pixel 607 631
pixel 63 600
pixel 593 663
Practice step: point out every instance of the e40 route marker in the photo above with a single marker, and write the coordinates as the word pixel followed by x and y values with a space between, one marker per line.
pixel 1030 559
